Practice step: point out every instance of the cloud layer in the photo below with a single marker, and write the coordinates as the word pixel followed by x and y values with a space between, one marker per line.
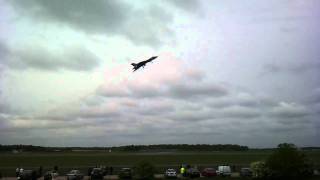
pixel 225 73
pixel 108 18
pixel 181 102
pixel 40 57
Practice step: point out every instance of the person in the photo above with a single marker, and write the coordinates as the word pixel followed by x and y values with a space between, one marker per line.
pixel 55 168
pixel 89 171
pixel 20 170
pixel 17 171
pixel 182 171
pixel 40 171
pixel 111 170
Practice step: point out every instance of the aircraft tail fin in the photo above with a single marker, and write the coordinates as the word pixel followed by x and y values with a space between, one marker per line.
pixel 135 66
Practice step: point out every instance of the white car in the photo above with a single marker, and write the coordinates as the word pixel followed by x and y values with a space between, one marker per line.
pixel 224 171
pixel 171 173
pixel 74 175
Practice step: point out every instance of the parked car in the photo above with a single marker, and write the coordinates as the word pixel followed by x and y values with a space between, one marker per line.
pixel 209 172
pixel 245 172
pixel 49 175
pixel 104 170
pixel 193 172
pixel 96 174
pixel 74 175
pixel 170 173
pixel 224 171
pixel 27 175
pixel 125 173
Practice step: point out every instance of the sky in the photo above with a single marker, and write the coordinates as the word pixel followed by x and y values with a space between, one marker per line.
pixel 227 72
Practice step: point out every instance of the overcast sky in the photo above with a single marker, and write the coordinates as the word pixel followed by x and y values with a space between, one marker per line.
pixel 228 72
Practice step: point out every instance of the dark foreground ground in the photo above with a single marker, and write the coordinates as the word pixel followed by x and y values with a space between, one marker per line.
pixel 83 160
pixel 159 176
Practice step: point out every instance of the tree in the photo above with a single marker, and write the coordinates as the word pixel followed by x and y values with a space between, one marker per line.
pixel 259 169
pixel 287 162
pixel 145 170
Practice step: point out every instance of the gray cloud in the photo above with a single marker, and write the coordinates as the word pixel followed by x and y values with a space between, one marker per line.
pixel 155 22
pixel 148 25
pixel 154 108
pixel 38 57
pixel 289 110
pixel 191 84
pixel 307 66
pixel 243 100
pixel 192 101
pixel 229 114
pixel 179 91
pixel 296 68
pixel 4 51
pixel 186 90
pixel 187 5
pixel 239 112
pixel 192 116
pixel 169 120
pixel 4 108
pixel 99 114
pixel 313 97
pixel 271 68
pixel 145 92
pixel 97 16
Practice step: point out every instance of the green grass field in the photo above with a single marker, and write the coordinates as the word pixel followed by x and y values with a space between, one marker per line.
pixel 82 160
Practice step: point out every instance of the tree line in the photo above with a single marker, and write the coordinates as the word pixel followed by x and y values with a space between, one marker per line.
pixel 131 148
pixel 182 147
pixel 140 148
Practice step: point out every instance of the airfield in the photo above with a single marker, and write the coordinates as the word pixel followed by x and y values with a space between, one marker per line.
pixel 161 160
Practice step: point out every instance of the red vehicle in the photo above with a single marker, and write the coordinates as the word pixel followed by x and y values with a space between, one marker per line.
pixel 209 172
